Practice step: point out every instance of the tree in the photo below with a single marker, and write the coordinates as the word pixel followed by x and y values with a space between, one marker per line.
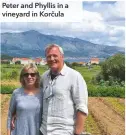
pixel 6 57
pixel 68 64
pixel 113 68
pixel 18 62
pixel 75 64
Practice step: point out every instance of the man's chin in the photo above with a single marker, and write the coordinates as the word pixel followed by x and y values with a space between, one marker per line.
pixel 54 69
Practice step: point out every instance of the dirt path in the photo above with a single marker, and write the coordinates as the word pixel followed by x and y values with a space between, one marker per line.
pixel 121 101
pixel 4 112
pixel 110 122
pixel 116 104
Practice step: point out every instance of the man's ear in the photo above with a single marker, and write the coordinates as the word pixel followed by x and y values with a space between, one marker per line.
pixel 62 56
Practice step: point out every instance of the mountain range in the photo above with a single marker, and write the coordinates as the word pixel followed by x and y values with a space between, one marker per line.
pixel 32 44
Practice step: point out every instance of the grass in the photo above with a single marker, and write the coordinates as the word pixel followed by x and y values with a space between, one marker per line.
pixel 88 73
pixel 116 105
pixel 106 91
pixel 7 70
pixel 8 89
pixel 91 126
pixel 94 90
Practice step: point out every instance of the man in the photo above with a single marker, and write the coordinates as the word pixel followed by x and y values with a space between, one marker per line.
pixel 64 96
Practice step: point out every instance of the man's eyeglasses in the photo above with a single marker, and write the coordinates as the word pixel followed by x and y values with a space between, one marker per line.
pixel 31 74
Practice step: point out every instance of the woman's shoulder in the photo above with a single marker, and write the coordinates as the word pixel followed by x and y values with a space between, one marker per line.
pixel 17 91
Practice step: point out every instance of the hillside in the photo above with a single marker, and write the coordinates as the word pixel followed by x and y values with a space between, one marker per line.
pixel 32 44
pixel 6 57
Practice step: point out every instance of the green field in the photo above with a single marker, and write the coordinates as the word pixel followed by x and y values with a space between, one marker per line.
pixel 10 73
pixel 104 102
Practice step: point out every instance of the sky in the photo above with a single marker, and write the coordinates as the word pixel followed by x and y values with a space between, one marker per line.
pixel 103 22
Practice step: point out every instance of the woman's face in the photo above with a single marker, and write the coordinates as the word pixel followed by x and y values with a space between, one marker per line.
pixel 30 78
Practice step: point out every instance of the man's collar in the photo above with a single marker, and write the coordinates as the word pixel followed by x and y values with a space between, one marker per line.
pixel 62 72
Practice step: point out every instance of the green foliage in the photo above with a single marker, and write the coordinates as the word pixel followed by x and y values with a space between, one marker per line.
pixel 5 62
pixel 91 125
pixel 101 88
pixel 18 62
pixel 9 72
pixel 75 64
pixel 10 75
pixel 93 90
pixel 105 91
pixel 112 72
pixel 7 89
pixel 42 69
pixel 11 66
pixel 68 64
pixel 7 57
pixel 114 68
pixel 14 74
pixel 88 74
pixel 94 64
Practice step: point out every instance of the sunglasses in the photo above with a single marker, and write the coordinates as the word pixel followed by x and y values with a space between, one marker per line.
pixel 31 74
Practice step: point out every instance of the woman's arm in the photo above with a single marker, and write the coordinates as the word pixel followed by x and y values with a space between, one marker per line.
pixel 11 112
pixel 13 121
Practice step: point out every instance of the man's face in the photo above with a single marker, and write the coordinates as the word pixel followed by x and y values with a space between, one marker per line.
pixel 54 59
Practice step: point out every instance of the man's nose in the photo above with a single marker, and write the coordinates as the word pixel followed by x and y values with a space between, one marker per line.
pixel 51 58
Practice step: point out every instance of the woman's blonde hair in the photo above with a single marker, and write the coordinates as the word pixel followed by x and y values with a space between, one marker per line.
pixel 26 68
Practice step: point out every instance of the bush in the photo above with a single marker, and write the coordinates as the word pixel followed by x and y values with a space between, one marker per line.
pixel 7 89
pixel 112 72
pixel 106 91
pixel 5 62
pixel 74 64
pixel 18 62
pixel 68 64
pixel 93 90
pixel 10 75
pixel 14 74
pixel 114 67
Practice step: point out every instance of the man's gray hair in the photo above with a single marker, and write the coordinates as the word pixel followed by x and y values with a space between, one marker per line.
pixel 54 45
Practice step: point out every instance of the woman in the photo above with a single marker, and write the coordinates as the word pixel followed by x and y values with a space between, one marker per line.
pixel 26 103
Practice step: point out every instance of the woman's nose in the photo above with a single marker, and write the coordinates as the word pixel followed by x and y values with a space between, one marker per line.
pixel 29 76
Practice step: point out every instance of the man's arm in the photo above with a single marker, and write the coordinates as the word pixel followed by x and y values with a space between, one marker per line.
pixel 80 99
pixel 80 122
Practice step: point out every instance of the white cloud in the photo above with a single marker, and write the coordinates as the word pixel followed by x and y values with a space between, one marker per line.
pixel 92 15
pixel 113 39
pixel 100 25
pixel 92 21
pixel 96 40
pixel 109 10
pixel 118 9
pixel 116 31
